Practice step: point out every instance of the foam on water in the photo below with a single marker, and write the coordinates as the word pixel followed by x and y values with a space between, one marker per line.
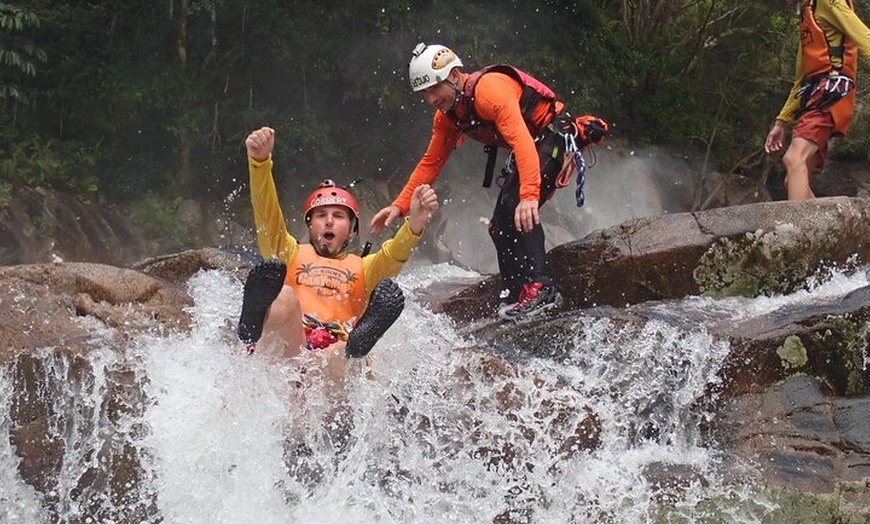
pixel 432 431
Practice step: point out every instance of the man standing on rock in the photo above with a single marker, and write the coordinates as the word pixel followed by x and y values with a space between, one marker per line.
pixel 501 106
pixel 822 98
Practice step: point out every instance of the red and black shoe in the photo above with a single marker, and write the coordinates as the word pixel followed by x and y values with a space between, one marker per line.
pixel 535 298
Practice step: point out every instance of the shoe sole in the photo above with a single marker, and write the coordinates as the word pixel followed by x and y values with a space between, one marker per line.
pixel 262 286
pixel 385 305
pixel 556 303
pixel 503 311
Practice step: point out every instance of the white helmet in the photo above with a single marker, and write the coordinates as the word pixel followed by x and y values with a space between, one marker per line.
pixel 430 64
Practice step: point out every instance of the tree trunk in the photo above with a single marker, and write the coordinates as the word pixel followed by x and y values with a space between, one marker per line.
pixel 184 146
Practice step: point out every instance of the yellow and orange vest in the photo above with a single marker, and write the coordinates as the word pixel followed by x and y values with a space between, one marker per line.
pixel 330 289
pixel 817 59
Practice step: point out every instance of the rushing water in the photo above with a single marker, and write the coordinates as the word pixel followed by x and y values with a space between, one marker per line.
pixel 223 437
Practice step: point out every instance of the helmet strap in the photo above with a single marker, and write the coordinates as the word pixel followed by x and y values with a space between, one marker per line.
pixel 458 94
pixel 456 88
pixel 353 232
pixel 350 237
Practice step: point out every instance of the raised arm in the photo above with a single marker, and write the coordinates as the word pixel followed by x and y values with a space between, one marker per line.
pixel 273 238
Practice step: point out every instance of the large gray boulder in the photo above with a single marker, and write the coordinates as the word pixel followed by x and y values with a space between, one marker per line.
pixel 747 250
pixel 804 366
pixel 47 305
pixel 795 387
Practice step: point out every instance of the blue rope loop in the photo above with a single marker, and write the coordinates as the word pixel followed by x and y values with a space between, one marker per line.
pixel 579 164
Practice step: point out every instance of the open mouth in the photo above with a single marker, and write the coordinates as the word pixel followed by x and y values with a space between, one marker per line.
pixel 329 236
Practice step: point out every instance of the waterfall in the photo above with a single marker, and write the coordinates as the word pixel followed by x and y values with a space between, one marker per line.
pixel 207 433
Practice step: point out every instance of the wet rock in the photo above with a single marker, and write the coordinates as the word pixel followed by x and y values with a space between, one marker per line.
pixel 799 438
pixel 487 383
pixel 748 250
pixel 53 305
pixel 179 267
pixel 671 480
pixel 40 225
pixel 52 426
pixel 792 403
pixel 827 339
pixel 781 401
pixel 54 320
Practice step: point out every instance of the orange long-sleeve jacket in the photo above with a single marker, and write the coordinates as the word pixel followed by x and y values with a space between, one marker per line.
pixel 496 100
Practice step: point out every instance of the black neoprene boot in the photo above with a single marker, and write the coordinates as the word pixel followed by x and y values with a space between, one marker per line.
pixel 262 286
pixel 385 306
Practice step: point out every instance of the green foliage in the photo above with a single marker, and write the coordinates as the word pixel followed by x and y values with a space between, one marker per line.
pixel 145 97
pixel 49 163
pixel 704 75
pixel 14 18
pixel 18 55
pixel 157 217
pixel 5 195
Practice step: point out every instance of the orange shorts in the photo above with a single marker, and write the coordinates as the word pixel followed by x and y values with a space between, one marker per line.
pixel 817 126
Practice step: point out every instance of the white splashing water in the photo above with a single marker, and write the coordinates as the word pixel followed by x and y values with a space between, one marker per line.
pixel 424 436
pixel 18 500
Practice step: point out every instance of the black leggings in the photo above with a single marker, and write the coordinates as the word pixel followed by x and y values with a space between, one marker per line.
pixel 522 256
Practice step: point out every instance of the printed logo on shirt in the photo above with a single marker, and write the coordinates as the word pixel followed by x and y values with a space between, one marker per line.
pixel 328 281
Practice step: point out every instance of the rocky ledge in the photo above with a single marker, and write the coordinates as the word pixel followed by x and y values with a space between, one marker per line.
pixel 792 400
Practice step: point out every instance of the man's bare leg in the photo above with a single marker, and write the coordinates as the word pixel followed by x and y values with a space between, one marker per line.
pixel 284 337
pixel 283 334
pixel 799 160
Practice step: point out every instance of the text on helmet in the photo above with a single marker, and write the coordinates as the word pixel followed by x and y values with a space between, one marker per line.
pixel 330 200
pixel 420 81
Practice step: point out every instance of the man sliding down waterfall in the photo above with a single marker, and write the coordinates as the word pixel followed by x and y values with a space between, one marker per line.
pixel 313 296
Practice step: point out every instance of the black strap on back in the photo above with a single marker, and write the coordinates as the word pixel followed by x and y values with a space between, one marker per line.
pixel 366 248
pixel 491 152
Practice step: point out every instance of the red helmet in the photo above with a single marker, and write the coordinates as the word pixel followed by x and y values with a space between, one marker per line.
pixel 329 195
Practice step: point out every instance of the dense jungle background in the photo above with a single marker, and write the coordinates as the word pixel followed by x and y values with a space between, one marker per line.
pixel 143 107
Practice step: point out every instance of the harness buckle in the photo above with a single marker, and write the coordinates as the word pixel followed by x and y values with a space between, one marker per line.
pixel 831 87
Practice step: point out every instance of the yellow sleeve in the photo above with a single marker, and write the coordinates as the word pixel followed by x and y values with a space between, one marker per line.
pixel 389 260
pixel 786 114
pixel 837 20
pixel 843 18
pixel 272 236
